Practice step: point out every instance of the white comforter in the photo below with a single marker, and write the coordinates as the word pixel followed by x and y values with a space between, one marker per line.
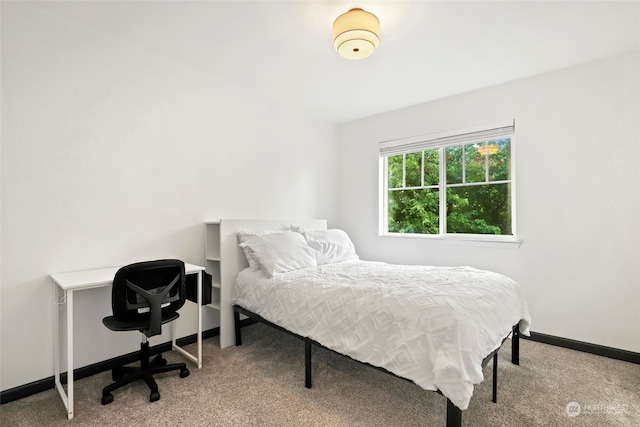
pixel 432 325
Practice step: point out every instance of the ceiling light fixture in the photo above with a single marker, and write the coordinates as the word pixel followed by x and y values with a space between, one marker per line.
pixel 356 34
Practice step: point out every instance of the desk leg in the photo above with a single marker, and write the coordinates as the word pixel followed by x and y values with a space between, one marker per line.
pixel 197 360
pixel 70 352
pixel 56 334
pixel 199 319
pixel 67 398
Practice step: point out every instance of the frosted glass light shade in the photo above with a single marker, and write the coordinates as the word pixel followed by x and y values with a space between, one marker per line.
pixel 491 149
pixel 356 34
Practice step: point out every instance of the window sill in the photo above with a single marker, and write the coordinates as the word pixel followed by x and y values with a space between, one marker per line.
pixel 481 241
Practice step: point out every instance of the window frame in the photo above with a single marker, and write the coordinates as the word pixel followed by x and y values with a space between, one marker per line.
pixel 440 142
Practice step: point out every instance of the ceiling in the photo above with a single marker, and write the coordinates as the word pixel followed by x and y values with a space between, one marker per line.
pixel 282 50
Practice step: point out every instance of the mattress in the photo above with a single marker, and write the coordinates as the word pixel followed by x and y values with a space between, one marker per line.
pixel 431 325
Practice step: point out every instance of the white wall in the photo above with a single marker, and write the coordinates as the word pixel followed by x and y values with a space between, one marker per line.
pixel 113 154
pixel 578 194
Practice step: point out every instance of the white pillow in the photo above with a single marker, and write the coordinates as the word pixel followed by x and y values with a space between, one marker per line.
pixel 280 252
pixel 243 236
pixel 331 246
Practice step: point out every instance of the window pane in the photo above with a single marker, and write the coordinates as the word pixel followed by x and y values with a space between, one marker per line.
pixel 475 164
pixel 394 170
pixel 413 169
pixel 414 211
pixel 453 157
pixel 500 160
pixel 479 209
pixel 431 167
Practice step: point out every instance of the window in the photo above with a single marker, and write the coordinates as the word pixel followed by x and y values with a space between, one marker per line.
pixel 453 184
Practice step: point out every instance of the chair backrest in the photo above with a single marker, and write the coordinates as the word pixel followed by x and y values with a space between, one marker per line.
pixel 148 290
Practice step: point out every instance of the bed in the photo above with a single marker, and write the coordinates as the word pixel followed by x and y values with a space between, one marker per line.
pixel 434 326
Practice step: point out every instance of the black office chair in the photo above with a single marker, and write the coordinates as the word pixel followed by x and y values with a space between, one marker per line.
pixel 144 296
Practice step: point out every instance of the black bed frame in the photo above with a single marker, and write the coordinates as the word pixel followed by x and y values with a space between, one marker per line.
pixel 454 414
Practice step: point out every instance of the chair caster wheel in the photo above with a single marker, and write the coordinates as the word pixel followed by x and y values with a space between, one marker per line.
pixel 184 373
pixel 107 398
pixel 155 395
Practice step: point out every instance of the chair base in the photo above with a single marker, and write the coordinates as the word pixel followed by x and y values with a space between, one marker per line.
pixel 124 375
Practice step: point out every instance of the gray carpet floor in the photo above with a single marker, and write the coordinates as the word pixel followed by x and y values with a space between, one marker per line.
pixel 261 383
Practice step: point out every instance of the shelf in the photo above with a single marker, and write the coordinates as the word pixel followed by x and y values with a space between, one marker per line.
pixel 212 241
pixel 213 262
pixel 220 286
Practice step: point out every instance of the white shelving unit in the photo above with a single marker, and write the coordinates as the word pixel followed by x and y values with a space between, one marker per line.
pixel 223 258
pixel 213 260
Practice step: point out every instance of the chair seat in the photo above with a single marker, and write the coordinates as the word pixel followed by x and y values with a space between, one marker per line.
pixel 135 325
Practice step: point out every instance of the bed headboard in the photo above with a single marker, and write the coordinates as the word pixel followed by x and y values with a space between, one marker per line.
pixel 232 261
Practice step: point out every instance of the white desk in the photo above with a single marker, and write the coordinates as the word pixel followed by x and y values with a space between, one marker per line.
pixel 73 281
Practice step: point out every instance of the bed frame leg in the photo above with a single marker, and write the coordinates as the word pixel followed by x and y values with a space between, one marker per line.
pixel 454 415
pixel 236 321
pixel 515 346
pixel 495 378
pixel 307 363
